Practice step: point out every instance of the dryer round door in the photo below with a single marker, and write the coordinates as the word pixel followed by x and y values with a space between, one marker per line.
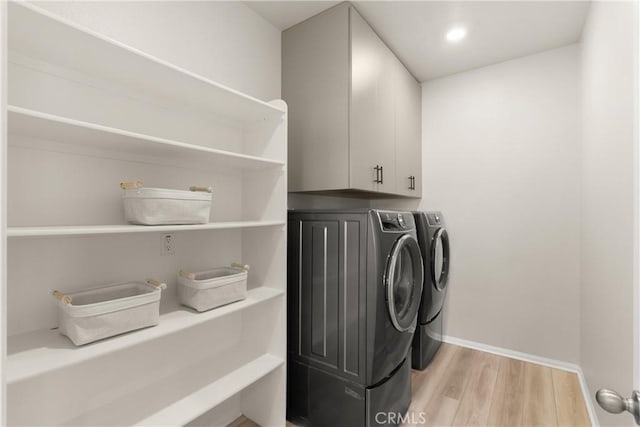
pixel 440 259
pixel 403 280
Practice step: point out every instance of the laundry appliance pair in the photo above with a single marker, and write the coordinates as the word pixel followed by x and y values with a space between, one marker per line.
pixel 355 286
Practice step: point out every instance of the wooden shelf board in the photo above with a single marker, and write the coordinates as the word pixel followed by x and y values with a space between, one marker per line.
pixel 46 127
pixel 90 230
pixel 35 353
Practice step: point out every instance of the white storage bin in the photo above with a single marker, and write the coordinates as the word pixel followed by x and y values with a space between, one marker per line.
pixel 102 312
pixel 212 288
pixel 161 206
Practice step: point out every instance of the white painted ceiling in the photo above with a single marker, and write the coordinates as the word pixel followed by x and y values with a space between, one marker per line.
pixel 415 30
pixel 285 14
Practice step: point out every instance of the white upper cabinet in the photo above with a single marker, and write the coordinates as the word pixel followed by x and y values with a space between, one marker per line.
pixel 371 131
pixel 354 109
pixel 316 80
pixel 408 135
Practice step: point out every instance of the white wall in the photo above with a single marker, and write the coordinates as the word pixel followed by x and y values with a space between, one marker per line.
pixel 501 161
pixel 608 201
pixel 224 41
pixel 3 207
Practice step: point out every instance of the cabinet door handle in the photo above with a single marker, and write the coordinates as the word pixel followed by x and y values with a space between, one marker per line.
pixel 412 182
pixel 377 180
pixel 381 174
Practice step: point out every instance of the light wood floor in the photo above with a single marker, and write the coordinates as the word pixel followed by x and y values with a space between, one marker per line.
pixel 465 387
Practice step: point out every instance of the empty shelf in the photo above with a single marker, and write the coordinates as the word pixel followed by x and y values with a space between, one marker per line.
pixel 196 404
pixel 64 43
pixel 47 127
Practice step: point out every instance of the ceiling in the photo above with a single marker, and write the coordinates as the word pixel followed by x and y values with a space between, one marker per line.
pixel 415 30
pixel 285 14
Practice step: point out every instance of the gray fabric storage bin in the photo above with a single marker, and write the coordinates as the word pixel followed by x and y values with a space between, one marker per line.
pixel 105 311
pixel 212 288
pixel 161 206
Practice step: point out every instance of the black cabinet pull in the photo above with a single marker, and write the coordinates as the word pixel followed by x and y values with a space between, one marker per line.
pixel 377 180
pixel 381 174
pixel 412 182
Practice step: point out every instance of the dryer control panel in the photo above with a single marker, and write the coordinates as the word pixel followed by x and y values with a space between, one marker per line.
pixel 434 218
pixel 396 221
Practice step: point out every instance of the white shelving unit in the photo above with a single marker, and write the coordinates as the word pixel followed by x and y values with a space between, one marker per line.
pixel 85 112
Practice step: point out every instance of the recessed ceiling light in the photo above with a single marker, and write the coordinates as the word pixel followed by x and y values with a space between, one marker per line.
pixel 456 34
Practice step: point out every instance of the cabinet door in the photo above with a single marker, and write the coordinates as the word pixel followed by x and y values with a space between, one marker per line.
pixel 371 131
pixel 315 85
pixel 408 132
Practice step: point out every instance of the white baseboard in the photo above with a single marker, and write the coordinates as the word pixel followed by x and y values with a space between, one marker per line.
pixel 532 358
pixel 539 360
pixel 591 409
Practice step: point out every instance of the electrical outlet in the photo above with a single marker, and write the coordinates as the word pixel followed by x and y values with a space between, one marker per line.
pixel 168 242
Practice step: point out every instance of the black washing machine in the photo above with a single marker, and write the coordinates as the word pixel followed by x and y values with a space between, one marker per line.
pixel 354 289
pixel 434 244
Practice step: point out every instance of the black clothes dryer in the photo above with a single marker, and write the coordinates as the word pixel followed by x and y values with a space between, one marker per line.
pixel 354 288
pixel 434 244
